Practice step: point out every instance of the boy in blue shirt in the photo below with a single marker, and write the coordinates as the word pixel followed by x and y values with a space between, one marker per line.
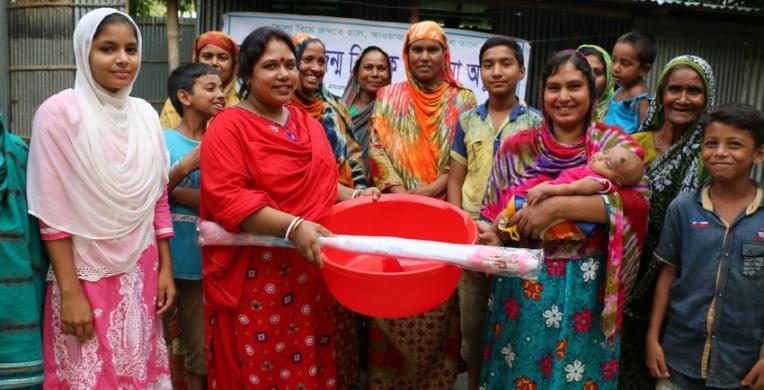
pixel 711 286
pixel 479 133
pixel 633 57
pixel 196 93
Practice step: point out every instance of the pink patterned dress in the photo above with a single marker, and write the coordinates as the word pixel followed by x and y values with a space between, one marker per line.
pixel 127 350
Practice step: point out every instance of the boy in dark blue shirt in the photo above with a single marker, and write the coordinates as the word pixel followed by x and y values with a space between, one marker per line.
pixel 710 291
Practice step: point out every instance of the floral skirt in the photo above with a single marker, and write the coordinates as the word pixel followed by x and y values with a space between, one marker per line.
pixel 418 353
pixel 545 333
pixel 127 350
pixel 282 333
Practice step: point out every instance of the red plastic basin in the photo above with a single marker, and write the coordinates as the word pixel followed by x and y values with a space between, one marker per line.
pixel 375 285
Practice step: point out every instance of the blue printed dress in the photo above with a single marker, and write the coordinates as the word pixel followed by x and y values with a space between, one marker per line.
pixel 564 304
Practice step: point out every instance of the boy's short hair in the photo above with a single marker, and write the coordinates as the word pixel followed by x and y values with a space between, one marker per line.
pixel 741 116
pixel 644 43
pixel 183 78
pixel 503 41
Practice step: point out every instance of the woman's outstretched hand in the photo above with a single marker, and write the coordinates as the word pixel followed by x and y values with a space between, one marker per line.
pixel 305 239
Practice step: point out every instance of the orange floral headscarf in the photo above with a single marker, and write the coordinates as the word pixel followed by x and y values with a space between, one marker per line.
pixel 429 30
pixel 431 107
pixel 218 39
pixel 227 43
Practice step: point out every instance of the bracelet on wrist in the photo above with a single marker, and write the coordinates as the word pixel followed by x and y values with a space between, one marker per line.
pixel 356 194
pixel 297 224
pixel 292 225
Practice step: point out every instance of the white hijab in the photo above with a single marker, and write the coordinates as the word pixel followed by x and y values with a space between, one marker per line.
pixel 97 165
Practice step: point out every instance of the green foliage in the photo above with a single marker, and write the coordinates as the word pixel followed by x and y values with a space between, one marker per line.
pixel 158 7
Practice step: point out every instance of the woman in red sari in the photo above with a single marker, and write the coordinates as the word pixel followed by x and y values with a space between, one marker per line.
pixel 268 168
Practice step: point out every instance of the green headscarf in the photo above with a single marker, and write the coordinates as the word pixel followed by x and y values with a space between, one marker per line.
pixel 607 93
pixel 22 270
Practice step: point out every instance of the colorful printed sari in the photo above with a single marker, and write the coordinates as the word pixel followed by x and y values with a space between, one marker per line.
pixel 411 135
pixel 412 128
pixel 562 329
pixel 679 169
pixel 169 118
pixel 335 118
pixel 362 118
pixel 22 268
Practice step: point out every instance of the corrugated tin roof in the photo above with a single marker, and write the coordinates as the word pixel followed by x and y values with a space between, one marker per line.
pixel 722 5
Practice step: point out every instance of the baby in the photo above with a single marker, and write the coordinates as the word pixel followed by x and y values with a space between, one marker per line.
pixel 606 172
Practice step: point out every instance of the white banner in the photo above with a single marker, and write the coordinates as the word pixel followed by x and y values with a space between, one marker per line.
pixel 346 38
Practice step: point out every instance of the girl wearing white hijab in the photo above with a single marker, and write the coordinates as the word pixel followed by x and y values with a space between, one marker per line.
pixel 96 181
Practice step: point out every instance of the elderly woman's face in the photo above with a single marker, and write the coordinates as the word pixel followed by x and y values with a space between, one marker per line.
pixel 684 97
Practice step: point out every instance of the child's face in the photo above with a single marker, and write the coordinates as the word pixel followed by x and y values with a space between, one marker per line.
pixel 312 67
pixel 500 71
pixel 114 58
pixel 684 97
pixel 730 152
pixel 627 69
pixel 219 59
pixel 566 98
pixel 598 68
pixel 207 97
pixel 618 165
pixel 274 77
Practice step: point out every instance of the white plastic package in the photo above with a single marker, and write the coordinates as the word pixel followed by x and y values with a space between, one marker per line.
pixel 502 261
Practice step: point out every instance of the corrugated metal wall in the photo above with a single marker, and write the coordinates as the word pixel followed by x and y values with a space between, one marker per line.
pixel 210 13
pixel 4 78
pixel 41 55
pixel 42 60
pixel 736 54
pixel 547 31
pixel 737 57
pixel 736 51
pixel 42 63
pixel 152 78
pixel 551 31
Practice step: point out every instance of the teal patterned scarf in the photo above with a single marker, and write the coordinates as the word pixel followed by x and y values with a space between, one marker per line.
pixel 22 270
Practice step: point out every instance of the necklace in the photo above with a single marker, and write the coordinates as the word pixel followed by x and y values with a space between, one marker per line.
pixel 276 126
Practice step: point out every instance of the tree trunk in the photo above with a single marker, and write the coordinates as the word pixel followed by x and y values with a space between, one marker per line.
pixel 173 35
pixel 414 8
